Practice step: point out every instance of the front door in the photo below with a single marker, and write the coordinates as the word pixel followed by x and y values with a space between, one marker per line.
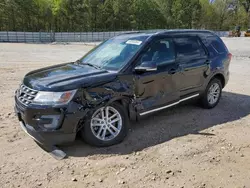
pixel 158 88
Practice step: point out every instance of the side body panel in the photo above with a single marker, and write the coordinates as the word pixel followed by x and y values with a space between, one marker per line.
pixel 142 92
pixel 219 61
pixel 155 89
pixel 193 60
pixel 194 75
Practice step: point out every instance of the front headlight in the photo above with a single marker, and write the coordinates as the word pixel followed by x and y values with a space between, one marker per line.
pixel 54 98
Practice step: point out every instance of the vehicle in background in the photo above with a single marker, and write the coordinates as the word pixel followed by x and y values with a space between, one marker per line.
pixel 247 33
pixel 124 78
pixel 236 32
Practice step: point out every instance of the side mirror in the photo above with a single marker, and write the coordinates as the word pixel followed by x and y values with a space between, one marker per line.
pixel 146 66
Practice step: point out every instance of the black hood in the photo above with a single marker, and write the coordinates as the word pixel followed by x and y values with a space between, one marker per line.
pixel 68 76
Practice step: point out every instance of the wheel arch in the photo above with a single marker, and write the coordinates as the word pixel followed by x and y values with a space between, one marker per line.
pixel 122 100
pixel 217 75
pixel 126 102
pixel 220 77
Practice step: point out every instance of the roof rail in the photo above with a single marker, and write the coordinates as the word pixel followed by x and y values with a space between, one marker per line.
pixel 129 32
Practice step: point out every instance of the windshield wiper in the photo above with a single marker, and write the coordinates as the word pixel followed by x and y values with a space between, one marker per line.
pixel 89 64
pixel 92 65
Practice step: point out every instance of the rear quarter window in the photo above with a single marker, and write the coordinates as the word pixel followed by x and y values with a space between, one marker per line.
pixel 215 45
pixel 218 46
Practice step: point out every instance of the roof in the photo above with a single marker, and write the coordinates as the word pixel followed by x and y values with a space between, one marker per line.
pixel 185 31
pixel 155 33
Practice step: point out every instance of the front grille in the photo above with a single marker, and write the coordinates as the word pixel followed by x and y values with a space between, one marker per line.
pixel 26 95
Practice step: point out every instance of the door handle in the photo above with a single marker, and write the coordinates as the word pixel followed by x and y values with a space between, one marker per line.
pixel 172 71
pixel 207 62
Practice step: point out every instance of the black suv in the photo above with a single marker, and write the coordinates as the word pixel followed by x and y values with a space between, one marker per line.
pixel 122 79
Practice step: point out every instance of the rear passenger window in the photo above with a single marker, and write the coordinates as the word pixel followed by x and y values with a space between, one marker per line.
pixel 189 47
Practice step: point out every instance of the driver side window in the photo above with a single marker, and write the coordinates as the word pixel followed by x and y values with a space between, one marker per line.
pixel 161 52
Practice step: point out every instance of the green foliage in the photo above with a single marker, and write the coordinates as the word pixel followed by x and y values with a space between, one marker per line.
pixel 246 5
pixel 111 15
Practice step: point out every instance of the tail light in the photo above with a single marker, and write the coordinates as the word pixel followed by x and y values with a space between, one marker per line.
pixel 230 56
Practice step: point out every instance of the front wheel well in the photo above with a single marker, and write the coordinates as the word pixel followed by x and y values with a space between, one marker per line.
pixel 221 78
pixel 128 107
pixel 124 102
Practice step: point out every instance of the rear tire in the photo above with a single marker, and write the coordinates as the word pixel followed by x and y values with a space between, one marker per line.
pixel 106 126
pixel 212 94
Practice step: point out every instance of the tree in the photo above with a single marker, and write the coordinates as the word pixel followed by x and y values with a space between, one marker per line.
pixel 100 15
pixel 147 14
pixel 186 14
pixel 223 12
pixel 246 5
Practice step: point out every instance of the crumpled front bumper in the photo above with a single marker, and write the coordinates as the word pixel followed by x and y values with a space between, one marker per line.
pixel 30 119
pixel 53 150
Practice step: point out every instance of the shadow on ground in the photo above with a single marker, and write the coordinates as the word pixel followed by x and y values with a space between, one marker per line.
pixel 168 124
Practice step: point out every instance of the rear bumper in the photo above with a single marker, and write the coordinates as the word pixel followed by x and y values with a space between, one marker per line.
pixel 226 76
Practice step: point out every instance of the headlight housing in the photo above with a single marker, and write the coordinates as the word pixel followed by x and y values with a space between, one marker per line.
pixel 54 98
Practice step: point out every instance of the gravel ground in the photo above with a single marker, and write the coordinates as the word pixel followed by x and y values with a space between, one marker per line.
pixel 186 146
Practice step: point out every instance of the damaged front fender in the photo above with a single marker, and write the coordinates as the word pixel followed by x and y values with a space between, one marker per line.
pixel 122 90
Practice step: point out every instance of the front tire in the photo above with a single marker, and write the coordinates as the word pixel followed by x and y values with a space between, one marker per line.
pixel 106 126
pixel 212 94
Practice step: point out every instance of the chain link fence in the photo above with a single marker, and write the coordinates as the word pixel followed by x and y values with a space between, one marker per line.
pixel 48 37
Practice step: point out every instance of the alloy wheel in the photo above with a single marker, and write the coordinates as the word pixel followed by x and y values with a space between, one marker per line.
pixel 213 93
pixel 106 123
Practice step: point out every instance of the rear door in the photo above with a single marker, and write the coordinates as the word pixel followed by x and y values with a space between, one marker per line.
pixel 193 61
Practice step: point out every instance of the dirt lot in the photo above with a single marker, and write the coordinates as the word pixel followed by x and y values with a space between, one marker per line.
pixel 183 147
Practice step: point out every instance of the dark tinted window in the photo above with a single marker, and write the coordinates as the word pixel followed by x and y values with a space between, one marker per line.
pixel 189 47
pixel 214 45
pixel 218 46
pixel 161 51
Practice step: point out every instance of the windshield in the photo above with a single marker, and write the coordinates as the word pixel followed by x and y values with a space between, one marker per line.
pixel 114 53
